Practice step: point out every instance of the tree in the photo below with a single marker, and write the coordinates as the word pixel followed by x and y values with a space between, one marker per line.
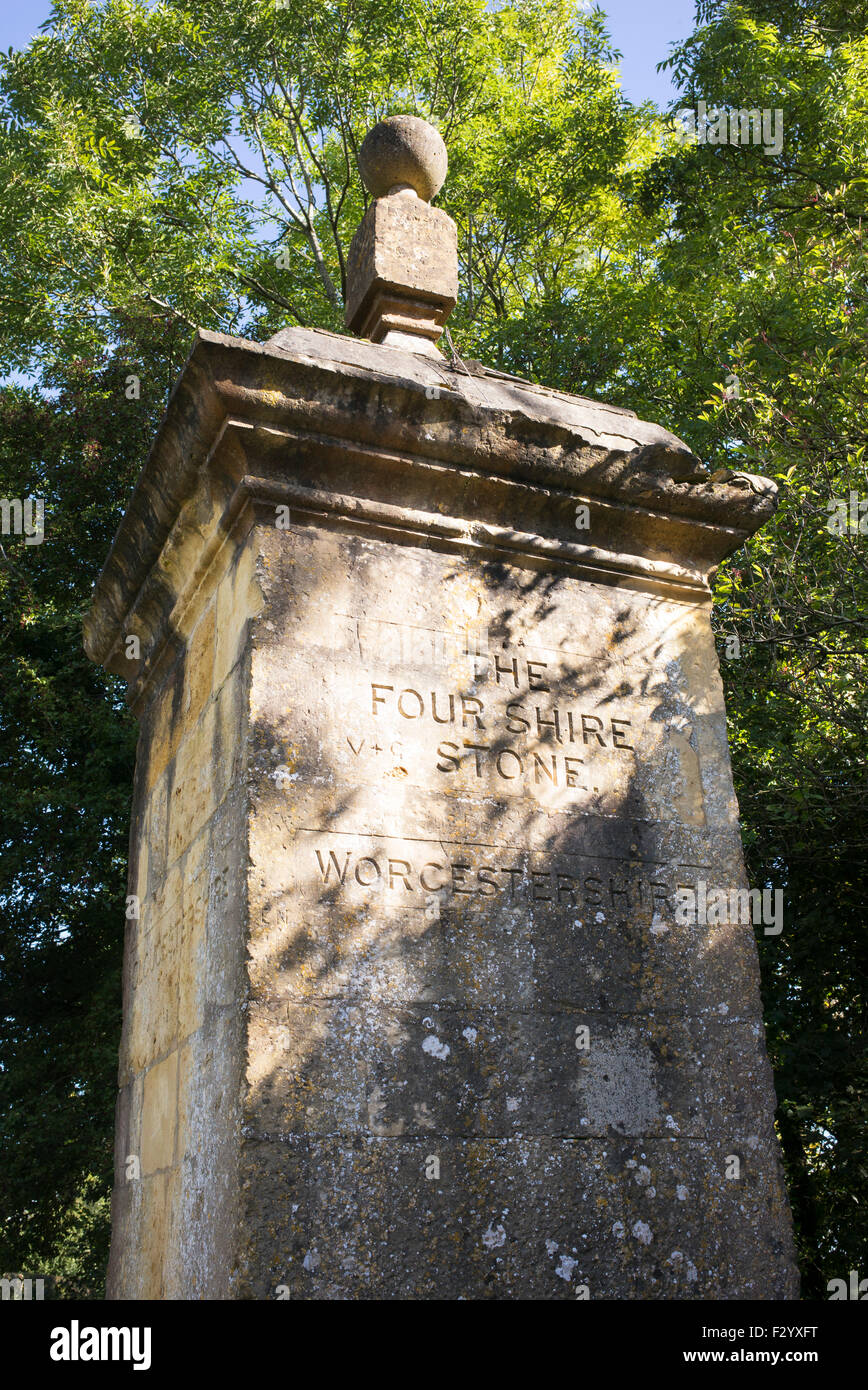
pixel 65 779
pixel 199 160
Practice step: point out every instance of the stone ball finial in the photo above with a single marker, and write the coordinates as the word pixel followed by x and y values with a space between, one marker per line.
pixel 403 150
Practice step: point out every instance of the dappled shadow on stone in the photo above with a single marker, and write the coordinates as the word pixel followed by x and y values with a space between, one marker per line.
pixel 485 1059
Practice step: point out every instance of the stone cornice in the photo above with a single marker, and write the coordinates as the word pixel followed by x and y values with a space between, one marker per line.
pixel 398 442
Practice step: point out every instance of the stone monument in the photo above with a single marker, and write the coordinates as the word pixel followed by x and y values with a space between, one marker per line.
pixel 432 747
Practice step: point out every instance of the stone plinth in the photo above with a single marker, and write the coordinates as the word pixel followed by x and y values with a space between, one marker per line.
pixel 402 272
pixel 423 765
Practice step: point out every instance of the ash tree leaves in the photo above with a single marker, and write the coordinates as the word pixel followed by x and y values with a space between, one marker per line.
pixel 176 153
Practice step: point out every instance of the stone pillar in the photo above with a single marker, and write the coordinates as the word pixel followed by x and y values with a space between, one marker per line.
pixel 432 739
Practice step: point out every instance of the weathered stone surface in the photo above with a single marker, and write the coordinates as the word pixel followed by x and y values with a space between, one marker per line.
pixel 174 1210
pixel 159 1115
pixel 403 150
pixel 422 768
pixel 524 1218
pixel 402 269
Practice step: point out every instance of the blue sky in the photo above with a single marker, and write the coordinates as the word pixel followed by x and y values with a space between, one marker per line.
pixel 641 29
pixel 644 30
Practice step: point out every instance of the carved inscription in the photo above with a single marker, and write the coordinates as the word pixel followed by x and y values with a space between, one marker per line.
pixel 410 871
pixel 554 727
